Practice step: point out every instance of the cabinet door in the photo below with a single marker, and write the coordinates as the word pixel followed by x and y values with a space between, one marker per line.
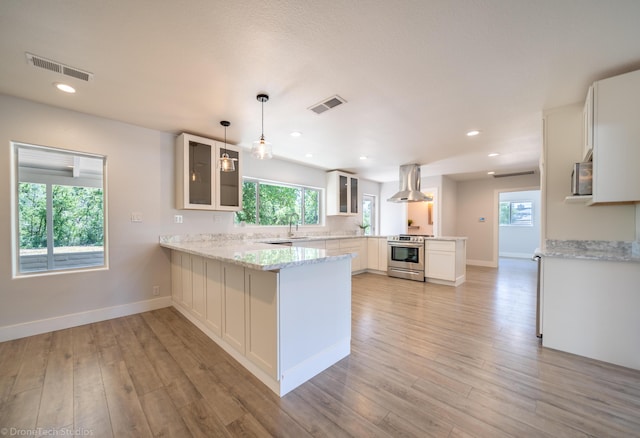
pixel 187 289
pixel 176 276
pixel 198 286
pixel 587 128
pixel 372 253
pixel 343 196
pixel 229 184
pixel 214 287
pixel 441 265
pixel 616 143
pixel 382 254
pixel 262 320
pixel 233 324
pixel 353 195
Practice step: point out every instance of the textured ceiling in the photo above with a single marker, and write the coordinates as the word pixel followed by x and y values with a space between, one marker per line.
pixel 416 75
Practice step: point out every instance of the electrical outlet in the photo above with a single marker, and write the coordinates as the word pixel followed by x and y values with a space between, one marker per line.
pixel 156 290
pixel 177 218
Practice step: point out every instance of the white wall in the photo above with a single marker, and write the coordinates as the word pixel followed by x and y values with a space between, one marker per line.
pixel 448 220
pixel 520 241
pixel 136 172
pixel 140 178
pixel 478 199
pixel 563 148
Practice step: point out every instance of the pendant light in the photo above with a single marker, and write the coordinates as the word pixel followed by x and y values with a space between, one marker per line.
pixel 226 163
pixel 261 149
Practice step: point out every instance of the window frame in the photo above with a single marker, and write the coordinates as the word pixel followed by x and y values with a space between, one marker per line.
pixel 259 181
pixel 511 210
pixel 49 181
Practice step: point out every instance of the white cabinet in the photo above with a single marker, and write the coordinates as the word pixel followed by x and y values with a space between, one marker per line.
pixel 616 139
pixel 342 194
pixel 377 253
pixel 200 185
pixel 445 261
pixel 283 326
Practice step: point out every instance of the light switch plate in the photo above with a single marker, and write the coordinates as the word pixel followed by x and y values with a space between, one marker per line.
pixel 177 218
pixel 136 216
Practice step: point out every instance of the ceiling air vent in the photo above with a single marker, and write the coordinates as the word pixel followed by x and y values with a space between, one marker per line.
pixel 57 67
pixel 504 175
pixel 327 104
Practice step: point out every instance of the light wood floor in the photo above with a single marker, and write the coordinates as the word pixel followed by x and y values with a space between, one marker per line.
pixel 426 360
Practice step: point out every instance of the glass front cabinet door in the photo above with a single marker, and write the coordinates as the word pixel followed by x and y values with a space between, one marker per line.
pixel 200 182
pixel 342 194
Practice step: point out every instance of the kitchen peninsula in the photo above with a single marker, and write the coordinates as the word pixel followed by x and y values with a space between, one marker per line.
pixel 590 299
pixel 283 312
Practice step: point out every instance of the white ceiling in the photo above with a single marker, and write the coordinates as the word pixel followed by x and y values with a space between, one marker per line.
pixel 416 74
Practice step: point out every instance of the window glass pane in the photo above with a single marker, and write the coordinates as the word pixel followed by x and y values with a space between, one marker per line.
pixel 32 212
pixel 505 213
pixel 278 204
pixel 311 207
pixel 249 203
pixel 61 222
pixel 521 213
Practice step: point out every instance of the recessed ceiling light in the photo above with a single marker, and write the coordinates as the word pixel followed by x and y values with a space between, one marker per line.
pixel 64 87
pixel 363 157
pixel 493 154
pixel 308 155
pixel 296 134
pixel 491 173
pixel 472 133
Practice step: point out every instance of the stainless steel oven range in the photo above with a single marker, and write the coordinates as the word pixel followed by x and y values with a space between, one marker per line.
pixel 405 257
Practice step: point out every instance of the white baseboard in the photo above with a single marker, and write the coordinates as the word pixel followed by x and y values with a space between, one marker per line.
pixel 486 263
pixel 10 332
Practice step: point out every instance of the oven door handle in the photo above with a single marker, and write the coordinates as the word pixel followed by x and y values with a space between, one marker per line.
pixel 406 245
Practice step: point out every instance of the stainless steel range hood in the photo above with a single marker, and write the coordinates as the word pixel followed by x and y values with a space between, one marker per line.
pixel 410 185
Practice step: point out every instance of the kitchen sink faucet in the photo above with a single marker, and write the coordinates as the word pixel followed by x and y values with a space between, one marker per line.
pixel 297 218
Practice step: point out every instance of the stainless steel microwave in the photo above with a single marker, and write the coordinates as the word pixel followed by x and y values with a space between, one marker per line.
pixel 582 178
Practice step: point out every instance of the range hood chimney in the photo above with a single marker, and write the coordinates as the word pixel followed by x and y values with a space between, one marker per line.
pixel 410 185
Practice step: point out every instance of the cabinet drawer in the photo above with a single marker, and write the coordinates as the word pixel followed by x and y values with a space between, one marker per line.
pixel 441 245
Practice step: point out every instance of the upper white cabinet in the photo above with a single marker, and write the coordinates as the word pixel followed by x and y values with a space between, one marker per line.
pixel 200 184
pixel 616 139
pixel 342 194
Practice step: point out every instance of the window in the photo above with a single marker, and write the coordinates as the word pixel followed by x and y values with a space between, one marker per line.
pixel 271 203
pixel 516 213
pixel 60 210
pixel 369 214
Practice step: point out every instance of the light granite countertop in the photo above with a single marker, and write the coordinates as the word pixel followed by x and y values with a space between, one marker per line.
pixel 256 251
pixel 259 256
pixel 613 251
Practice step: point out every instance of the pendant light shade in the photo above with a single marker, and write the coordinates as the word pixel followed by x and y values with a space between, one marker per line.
pixel 226 163
pixel 262 149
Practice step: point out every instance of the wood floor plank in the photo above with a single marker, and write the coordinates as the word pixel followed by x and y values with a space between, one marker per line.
pixel 11 353
pixel 90 410
pixel 33 364
pixel 164 420
pixel 56 405
pixel 202 421
pixel 127 416
pixel 143 374
pixel 20 410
